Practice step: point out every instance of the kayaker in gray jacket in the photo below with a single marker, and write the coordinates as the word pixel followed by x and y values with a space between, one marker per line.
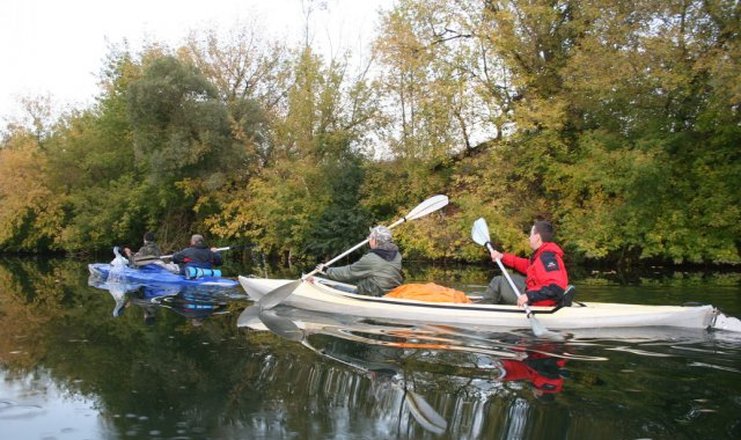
pixel 376 272
pixel 149 249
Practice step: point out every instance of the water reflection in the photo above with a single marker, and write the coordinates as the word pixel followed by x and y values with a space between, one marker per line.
pixel 483 368
pixel 194 303
pixel 379 369
pixel 13 410
pixel 70 370
pixel 492 362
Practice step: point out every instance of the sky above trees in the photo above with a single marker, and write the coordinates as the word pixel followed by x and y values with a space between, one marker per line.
pixel 56 49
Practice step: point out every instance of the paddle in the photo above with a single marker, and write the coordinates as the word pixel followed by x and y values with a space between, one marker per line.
pixel 276 296
pixel 480 234
pixel 141 261
pixel 420 409
pixel 424 413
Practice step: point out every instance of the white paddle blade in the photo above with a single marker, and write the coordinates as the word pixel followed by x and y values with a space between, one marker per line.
pixel 425 414
pixel 540 331
pixel 428 206
pixel 276 296
pixel 281 326
pixel 248 316
pixel 480 232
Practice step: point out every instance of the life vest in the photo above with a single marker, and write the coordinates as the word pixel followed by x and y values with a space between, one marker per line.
pixel 545 303
pixel 546 278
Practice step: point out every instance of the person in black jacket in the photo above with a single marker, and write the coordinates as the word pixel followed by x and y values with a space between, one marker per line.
pixel 197 255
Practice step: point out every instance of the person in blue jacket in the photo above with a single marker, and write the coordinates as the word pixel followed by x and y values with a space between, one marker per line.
pixel 197 255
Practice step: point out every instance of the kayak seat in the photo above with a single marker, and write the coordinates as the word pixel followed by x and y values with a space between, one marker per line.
pixel 568 296
pixel 348 288
pixel 345 288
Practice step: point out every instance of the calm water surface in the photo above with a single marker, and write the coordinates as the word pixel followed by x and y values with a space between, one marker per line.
pixel 183 370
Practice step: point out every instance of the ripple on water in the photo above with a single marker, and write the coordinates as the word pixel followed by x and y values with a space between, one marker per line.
pixel 10 410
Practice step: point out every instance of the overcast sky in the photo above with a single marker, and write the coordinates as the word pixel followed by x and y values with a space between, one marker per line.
pixel 57 47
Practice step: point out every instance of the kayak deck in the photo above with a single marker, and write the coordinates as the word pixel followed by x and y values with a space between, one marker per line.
pixel 329 296
pixel 155 274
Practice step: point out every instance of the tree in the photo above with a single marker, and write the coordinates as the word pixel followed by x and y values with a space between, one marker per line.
pixel 302 190
pixel 604 108
pixel 30 212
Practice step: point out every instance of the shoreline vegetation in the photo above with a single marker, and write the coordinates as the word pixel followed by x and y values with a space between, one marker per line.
pixel 446 272
pixel 618 122
pixel 466 276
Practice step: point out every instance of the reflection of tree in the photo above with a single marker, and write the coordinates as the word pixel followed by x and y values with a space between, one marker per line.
pixel 213 379
pixel 438 358
pixel 52 320
pixel 31 295
pixel 347 392
pixel 219 381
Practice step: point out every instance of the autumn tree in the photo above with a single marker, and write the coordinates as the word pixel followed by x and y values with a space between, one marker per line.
pixel 309 193
pixel 31 213
pixel 602 112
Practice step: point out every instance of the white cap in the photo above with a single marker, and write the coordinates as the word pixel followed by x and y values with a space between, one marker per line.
pixel 381 234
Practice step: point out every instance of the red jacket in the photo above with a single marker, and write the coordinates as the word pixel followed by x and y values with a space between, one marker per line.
pixel 545 274
pixel 542 372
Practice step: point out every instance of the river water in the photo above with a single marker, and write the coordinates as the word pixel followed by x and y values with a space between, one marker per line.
pixel 182 369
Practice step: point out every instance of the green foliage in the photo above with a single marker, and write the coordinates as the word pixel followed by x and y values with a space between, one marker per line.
pixel 345 221
pixel 618 121
pixel 105 215
pixel 306 197
pixel 180 128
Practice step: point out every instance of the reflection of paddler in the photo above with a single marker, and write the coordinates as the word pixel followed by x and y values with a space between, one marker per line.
pixel 542 371
pixel 193 307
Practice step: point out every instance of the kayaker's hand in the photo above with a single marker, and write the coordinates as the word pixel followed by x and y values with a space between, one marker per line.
pixel 320 268
pixel 496 255
pixel 522 300
pixel 214 249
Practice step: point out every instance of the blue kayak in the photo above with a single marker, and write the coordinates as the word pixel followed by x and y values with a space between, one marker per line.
pixel 155 275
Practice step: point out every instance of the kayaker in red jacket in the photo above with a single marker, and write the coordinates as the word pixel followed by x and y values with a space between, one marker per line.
pixel 543 372
pixel 545 278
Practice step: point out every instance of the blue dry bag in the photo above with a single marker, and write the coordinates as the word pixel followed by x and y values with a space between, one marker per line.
pixel 192 273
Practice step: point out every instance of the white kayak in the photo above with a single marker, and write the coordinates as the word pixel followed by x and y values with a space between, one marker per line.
pixel 323 295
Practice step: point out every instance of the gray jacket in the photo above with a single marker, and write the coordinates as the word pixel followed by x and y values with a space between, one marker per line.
pixel 150 249
pixel 373 274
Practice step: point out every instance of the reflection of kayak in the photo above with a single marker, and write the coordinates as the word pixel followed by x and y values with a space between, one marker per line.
pixel 329 296
pixel 155 275
pixel 194 306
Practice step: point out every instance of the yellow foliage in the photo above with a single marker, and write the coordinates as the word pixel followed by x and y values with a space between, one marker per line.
pixel 25 197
